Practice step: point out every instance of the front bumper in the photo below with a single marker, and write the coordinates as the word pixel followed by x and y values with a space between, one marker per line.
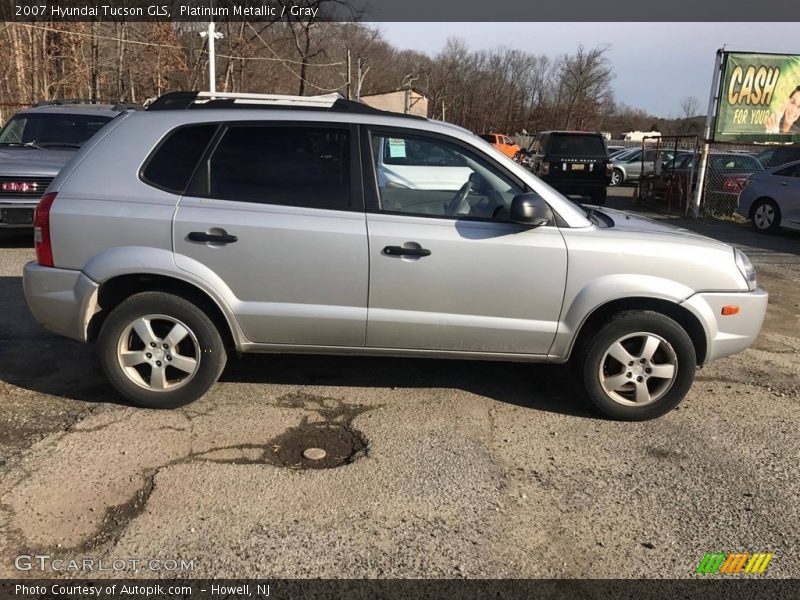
pixel 61 300
pixel 730 334
pixel 17 214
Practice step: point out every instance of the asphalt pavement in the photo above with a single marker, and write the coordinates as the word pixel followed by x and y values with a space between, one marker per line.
pixel 447 468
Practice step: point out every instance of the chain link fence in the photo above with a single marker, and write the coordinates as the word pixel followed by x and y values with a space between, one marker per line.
pixel 727 170
pixel 669 172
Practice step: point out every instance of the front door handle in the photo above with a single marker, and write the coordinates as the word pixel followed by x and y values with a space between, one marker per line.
pixel 782 183
pixel 401 251
pixel 218 238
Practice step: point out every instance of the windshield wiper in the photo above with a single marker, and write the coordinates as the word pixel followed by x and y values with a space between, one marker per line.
pixel 22 144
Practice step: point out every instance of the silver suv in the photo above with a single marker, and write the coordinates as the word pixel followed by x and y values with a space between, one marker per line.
pixel 35 143
pixel 317 225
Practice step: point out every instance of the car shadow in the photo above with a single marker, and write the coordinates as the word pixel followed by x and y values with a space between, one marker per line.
pixel 548 388
pixel 34 359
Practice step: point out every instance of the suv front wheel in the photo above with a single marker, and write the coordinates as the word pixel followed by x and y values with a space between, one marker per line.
pixel 638 366
pixel 160 351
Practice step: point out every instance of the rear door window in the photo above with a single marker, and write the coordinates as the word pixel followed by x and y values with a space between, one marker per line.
pixel 305 166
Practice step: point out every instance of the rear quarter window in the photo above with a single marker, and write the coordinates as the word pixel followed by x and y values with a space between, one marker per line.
pixel 171 165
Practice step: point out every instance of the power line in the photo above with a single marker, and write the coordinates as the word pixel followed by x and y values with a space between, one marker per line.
pixel 176 47
pixel 295 73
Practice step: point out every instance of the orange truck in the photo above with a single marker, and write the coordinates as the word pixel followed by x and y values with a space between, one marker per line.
pixel 502 142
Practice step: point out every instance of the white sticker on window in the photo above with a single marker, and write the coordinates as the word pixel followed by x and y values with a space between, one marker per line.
pixel 397 148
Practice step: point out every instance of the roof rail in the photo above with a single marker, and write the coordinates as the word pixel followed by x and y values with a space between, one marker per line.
pixel 69 101
pixel 328 102
pixel 185 100
pixel 127 106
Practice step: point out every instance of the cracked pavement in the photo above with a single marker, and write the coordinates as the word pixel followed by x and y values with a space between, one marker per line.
pixel 469 470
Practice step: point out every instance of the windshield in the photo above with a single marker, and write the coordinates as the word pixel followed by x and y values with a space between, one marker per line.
pixel 581 145
pixel 734 162
pixel 51 130
pixel 626 154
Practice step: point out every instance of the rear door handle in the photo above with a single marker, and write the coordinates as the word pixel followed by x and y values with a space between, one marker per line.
pixel 782 183
pixel 401 251
pixel 219 238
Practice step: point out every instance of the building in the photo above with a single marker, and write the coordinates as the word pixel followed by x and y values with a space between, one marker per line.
pixel 402 101
pixel 638 136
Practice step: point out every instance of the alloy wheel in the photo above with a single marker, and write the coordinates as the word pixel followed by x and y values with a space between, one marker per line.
pixel 638 369
pixel 764 216
pixel 158 353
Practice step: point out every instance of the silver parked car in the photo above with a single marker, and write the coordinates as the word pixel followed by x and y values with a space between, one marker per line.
pixel 178 235
pixel 627 166
pixel 771 199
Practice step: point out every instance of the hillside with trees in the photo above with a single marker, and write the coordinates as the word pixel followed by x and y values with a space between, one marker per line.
pixel 502 89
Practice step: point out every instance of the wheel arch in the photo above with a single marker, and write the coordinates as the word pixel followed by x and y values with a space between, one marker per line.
pixel 114 290
pixel 680 314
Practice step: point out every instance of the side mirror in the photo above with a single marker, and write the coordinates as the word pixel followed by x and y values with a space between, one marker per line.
pixel 530 209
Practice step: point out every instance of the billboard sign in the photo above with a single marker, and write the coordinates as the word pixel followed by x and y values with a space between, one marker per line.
pixel 759 98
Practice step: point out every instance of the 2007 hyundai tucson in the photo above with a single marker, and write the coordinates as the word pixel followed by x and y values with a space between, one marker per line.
pixel 317 225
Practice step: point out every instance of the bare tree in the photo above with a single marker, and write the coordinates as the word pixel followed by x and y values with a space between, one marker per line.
pixel 690 107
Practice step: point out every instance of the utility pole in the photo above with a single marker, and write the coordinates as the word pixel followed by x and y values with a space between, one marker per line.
pixel 349 77
pixel 713 97
pixel 212 35
pixel 95 61
pixel 358 78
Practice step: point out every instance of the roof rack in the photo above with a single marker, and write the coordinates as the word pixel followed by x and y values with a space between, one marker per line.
pixel 327 102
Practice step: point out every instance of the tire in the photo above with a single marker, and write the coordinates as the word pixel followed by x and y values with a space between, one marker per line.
pixel 599 197
pixel 616 178
pixel 170 368
pixel 637 336
pixel 765 216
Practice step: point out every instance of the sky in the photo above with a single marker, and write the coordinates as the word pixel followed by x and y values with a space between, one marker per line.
pixel 656 65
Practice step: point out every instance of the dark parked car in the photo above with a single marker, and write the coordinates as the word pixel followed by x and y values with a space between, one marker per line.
pixel 727 174
pixel 574 162
pixel 778 155
pixel 35 144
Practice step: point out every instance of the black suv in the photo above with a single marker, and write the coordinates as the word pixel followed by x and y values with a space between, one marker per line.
pixel 574 162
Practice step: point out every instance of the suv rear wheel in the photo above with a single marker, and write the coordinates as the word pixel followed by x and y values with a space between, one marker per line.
pixel 160 351
pixel 638 366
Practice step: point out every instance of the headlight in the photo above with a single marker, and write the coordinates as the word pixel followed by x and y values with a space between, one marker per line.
pixel 746 268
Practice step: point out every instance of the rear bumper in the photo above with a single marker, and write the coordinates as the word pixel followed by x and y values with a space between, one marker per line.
pixel 728 335
pixel 61 300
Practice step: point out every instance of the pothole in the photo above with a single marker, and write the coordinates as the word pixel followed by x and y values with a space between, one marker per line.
pixel 316 446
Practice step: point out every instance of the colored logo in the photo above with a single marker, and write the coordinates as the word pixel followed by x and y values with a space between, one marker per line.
pixel 742 562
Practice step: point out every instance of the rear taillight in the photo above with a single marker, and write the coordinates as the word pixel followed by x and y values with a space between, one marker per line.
pixel 41 230
pixel 734 185
pixel 609 169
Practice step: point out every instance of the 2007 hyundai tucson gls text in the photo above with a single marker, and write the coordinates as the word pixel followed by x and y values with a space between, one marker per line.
pixel 207 225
